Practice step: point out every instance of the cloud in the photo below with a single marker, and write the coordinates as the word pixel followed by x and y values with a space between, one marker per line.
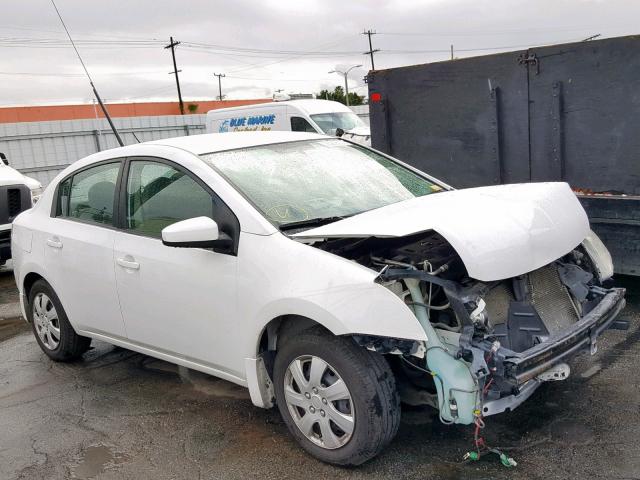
pixel 128 69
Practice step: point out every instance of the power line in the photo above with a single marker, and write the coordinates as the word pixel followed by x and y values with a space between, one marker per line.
pixel 79 75
pixel 279 55
pixel 293 57
pixel 477 49
pixel 41 30
pixel 489 32
pixel 172 45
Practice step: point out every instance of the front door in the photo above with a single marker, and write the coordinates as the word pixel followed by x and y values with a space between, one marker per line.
pixel 177 301
pixel 79 249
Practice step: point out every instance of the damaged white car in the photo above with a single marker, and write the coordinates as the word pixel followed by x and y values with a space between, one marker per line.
pixel 328 278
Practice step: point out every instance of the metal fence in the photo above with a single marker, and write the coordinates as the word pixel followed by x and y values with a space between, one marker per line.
pixel 42 149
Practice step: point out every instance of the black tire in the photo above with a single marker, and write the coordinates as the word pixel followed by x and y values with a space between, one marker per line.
pixel 71 345
pixel 370 381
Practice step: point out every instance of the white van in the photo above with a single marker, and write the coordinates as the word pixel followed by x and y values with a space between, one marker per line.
pixel 319 116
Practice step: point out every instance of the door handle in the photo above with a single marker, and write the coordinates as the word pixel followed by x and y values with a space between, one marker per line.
pixel 128 264
pixel 54 242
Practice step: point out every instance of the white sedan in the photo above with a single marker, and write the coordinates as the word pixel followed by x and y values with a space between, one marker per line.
pixel 326 277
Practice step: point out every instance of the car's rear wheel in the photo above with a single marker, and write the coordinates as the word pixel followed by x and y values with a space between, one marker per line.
pixel 338 400
pixel 51 327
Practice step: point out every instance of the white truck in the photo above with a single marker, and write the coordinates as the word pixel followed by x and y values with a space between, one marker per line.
pixel 313 115
pixel 17 193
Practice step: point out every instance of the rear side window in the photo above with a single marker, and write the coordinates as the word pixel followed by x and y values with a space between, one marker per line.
pixel 159 195
pixel 90 194
pixel 299 124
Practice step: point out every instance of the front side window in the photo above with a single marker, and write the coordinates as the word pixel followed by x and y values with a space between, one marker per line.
pixel 299 124
pixel 317 179
pixel 89 195
pixel 159 195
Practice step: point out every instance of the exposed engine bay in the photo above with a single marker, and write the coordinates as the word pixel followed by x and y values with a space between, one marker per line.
pixel 490 344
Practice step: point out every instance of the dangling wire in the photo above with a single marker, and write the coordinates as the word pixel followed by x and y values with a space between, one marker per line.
pixel 481 447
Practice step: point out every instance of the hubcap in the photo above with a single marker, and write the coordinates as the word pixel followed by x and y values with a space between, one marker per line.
pixel 46 321
pixel 319 402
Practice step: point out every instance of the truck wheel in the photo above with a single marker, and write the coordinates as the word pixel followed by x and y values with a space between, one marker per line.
pixel 338 400
pixel 52 329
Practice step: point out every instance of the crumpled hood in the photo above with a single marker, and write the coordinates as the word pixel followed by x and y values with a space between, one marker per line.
pixel 499 232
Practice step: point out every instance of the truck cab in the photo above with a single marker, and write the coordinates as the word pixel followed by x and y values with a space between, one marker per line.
pixel 17 193
pixel 313 115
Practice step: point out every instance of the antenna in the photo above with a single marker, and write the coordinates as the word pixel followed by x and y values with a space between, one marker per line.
pixel 95 92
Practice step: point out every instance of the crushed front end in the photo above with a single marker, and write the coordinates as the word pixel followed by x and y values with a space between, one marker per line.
pixel 490 343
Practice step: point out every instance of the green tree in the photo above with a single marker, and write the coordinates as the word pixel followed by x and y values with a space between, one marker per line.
pixel 337 95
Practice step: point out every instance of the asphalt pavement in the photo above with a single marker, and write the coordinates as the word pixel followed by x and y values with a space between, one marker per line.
pixel 116 414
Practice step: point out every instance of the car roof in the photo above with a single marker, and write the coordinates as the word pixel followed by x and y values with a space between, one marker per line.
pixel 311 106
pixel 317 105
pixel 218 142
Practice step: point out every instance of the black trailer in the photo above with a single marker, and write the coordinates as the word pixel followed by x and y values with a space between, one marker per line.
pixel 567 112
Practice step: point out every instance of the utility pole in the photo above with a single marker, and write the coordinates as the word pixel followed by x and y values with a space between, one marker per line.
pixel 219 75
pixel 371 50
pixel 172 45
pixel 451 51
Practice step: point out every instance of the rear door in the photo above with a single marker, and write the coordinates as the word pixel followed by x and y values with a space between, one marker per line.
pixel 177 301
pixel 79 248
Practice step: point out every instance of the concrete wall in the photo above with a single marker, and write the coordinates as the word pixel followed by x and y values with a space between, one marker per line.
pixel 42 149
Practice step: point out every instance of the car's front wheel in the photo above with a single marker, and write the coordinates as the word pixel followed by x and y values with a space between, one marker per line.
pixel 51 327
pixel 338 400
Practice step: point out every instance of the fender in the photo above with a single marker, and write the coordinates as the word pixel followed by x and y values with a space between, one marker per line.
pixel 366 309
pixel 26 269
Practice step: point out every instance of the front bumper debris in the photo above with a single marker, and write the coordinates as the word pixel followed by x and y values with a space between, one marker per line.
pixel 518 368
pixel 510 402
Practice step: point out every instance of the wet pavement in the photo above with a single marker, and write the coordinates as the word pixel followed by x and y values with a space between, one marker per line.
pixel 10 324
pixel 117 414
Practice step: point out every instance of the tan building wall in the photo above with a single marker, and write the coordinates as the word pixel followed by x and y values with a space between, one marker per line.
pixel 76 112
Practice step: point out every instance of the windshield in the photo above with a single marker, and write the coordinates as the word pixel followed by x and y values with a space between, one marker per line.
pixel 330 122
pixel 317 179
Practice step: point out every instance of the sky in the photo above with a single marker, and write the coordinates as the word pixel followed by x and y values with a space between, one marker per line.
pixel 266 45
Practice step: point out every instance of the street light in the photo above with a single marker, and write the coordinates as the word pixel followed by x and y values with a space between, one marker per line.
pixel 346 83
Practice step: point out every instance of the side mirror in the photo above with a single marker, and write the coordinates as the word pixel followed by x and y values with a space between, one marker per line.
pixel 3 157
pixel 199 232
pixel 339 132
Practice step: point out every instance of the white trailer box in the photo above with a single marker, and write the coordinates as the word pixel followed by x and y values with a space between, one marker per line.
pixel 319 116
